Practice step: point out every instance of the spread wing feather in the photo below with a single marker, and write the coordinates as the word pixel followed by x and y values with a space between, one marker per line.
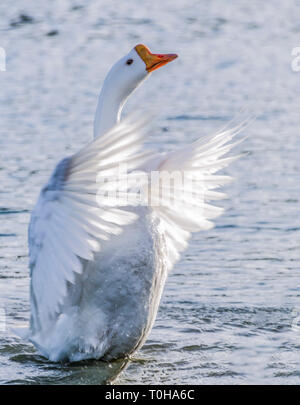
pixel 72 218
pixel 182 203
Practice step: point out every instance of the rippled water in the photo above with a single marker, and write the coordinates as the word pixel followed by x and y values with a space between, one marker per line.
pixel 231 307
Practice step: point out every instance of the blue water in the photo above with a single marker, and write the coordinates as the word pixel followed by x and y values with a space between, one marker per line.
pixel 230 313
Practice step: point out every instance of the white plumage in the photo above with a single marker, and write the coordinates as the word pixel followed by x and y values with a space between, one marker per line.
pixel 98 271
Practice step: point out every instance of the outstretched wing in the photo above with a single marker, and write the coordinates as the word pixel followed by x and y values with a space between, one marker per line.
pixel 72 216
pixel 186 183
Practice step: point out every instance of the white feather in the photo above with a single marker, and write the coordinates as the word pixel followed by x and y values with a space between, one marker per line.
pixel 68 220
pixel 188 211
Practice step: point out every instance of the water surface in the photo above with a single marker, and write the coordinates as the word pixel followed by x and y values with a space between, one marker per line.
pixel 231 306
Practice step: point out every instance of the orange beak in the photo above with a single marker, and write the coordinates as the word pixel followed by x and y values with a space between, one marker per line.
pixel 153 60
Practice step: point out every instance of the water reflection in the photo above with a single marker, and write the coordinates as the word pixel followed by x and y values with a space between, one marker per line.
pixel 91 372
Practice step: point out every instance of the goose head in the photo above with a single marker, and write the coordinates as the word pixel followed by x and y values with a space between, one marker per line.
pixel 122 79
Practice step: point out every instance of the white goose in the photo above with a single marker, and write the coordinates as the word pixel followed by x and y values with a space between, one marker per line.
pixel 98 271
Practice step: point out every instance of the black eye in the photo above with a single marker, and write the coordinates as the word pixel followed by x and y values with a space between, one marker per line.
pixel 129 62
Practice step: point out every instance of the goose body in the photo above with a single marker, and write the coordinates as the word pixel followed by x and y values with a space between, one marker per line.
pixel 111 307
pixel 98 269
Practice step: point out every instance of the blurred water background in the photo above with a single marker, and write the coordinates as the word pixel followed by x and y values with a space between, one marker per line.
pixel 231 307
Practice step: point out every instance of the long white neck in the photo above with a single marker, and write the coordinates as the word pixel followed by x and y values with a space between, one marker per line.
pixel 118 85
pixel 108 112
